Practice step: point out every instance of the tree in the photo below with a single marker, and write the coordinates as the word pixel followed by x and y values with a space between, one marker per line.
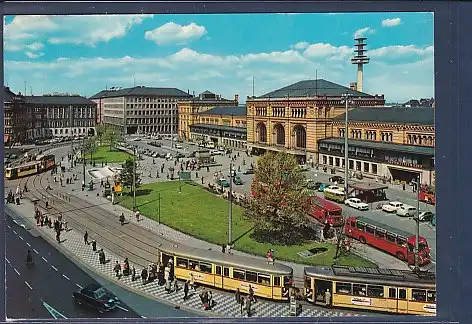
pixel 101 130
pixel 89 147
pixel 126 175
pixel 278 207
pixel 111 137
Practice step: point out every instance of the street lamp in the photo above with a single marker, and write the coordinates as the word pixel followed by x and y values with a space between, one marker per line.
pixel 134 178
pixel 417 219
pixel 346 100
pixel 230 218
pixel 83 162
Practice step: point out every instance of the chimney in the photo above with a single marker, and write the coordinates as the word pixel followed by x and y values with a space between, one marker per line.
pixel 188 91
pixel 236 98
pixel 193 92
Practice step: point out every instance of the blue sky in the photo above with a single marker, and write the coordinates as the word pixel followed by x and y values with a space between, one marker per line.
pixel 221 53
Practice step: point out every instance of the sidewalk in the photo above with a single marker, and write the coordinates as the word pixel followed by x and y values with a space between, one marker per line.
pixel 73 246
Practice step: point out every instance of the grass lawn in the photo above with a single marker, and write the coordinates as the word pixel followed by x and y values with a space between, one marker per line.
pixel 200 214
pixel 104 154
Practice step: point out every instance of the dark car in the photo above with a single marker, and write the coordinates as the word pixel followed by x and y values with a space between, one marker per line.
pixel 426 216
pixel 179 156
pixel 95 296
pixel 249 171
pixel 337 179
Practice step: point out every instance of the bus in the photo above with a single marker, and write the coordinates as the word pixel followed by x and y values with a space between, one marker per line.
pixel 325 211
pixel 427 195
pixel 335 194
pixel 388 239
pixel 372 289
pixel 229 271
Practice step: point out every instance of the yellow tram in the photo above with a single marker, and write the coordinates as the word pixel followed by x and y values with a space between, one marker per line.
pixel 42 163
pixel 383 290
pixel 229 271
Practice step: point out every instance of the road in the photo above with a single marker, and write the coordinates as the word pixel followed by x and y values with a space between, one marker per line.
pixel 53 273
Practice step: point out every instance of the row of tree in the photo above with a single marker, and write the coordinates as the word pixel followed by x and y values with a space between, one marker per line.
pixel 104 134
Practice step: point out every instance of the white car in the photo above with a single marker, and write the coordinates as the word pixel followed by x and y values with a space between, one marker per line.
pixel 137 139
pixel 392 206
pixel 406 211
pixel 178 146
pixel 216 152
pixel 334 187
pixel 356 203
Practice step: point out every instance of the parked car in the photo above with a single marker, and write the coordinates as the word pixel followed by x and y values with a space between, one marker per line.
pixel 337 179
pixel 178 146
pixel 392 206
pixel 95 296
pixel 356 203
pixel 426 216
pixel 249 171
pixel 237 180
pixel 322 187
pixel 216 152
pixel 137 139
pixel 222 182
pixel 433 220
pixel 406 211
pixel 179 156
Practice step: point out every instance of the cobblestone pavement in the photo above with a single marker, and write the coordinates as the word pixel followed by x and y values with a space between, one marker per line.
pixel 73 242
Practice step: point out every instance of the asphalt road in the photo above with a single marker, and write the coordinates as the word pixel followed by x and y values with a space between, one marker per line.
pixel 54 278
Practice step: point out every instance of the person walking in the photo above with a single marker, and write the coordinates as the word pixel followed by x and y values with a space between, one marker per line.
pixel 94 246
pixel 327 299
pixel 117 269
pixel 192 282
pixel 186 290
pixel 242 302
pixel 133 274
pixel 237 296
pixel 144 275
pixel 86 238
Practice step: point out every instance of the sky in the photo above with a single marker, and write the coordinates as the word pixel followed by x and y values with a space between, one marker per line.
pixel 221 53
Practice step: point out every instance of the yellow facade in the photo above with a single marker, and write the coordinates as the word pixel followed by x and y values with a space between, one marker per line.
pixel 223 120
pixel 295 125
pixel 189 111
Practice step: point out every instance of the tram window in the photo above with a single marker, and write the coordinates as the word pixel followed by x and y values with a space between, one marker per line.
pixel 307 282
pixel 182 263
pixel 352 223
pixel 263 279
pixel 359 290
pixel 418 294
pixel 277 281
pixel 218 270
pixel 380 233
pixel 239 274
pixel 287 281
pixel 401 241
pixel 401 293
pixel 205 267
pixel 343 288
pixel 251 276
pixel 392 293
pixel 391 237
pixel 193 265
pixel 370 229
pixel 361 226
pixel 226 272
pixel 431 296
pixel 375 291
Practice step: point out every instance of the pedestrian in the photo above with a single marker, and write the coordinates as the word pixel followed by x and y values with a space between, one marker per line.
pixel 223 248
pixel 86 238
pixel 137 215
pixel 192 282
pixel 327 299
pixel 168 286
pixel 237 296
pixel 144 275
pixel 248 306
pixel 242 302
pixel 186 290
pixel 270 257
pixel 133 274
pixel 58 237
pixel 176 285
pixel 94 246
pixel 202 180
pixel 117 269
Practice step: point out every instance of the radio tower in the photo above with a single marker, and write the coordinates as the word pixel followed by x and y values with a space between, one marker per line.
pixel 360 59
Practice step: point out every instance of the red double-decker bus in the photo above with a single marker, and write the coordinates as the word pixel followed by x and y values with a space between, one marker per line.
pixel 388 239
pixel 325 211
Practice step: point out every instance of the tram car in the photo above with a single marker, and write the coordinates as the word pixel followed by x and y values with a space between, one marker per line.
pixel 372 289
pixel 41 164
pixel 228 271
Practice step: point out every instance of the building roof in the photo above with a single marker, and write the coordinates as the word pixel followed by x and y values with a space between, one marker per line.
pixel 312 88
pixel 141 91
pixel 206 92
pixel 423 150
pixel 402 115
pixel 220 127
pixel 367 186
pixel 8 95
pixel 59 100
pixel 230 111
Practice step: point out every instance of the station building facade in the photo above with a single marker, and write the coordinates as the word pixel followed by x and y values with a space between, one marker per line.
pixel 295 118
pixel 395 143
pixel 224 126
pixel 189 109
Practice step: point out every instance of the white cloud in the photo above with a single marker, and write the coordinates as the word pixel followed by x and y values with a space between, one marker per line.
pixel 301 45
pixel 400 51
pixel 88 30
pixel 324 50
pixel 391 22
pixel 36 46
pixel 172 33
pixel 364 32
pixel 32 55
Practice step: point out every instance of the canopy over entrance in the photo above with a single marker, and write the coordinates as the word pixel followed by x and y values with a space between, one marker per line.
pixel 368 192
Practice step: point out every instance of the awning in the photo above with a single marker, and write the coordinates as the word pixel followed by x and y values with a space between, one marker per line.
pixel 5 138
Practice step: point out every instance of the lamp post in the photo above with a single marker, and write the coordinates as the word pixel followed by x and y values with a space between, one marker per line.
pixel 83 161
pixel 230 218
pixel 159 211
pixel 417 219
pixel 134 178
pixel 346 99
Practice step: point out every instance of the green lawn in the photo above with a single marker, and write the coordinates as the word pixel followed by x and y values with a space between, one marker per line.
pixel 104 154
pixel 199 213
